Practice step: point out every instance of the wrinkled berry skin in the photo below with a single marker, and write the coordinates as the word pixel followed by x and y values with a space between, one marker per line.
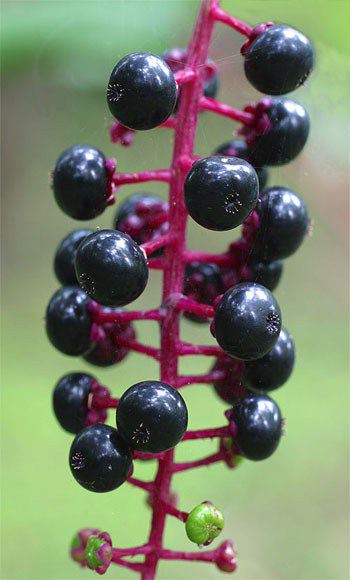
pixel 231 387
pixel 274 369
pixel 279 60
pixel 80 182
pixel 247 321
pixel 68 321
pixel 239 148
pixel 135 217
pixel 70 400
pixel 64 262
pixel 280 144
pixel 141 92
pixel 99 459
pixel 203 283
pixel 152 416
pixel 259 426
pixel 176 58
pixel 111 268
pixel 283 224
pixel 267 274
pixel 106 351
pixel 221 192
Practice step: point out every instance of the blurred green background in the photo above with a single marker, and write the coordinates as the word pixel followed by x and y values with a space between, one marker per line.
pixel 289 515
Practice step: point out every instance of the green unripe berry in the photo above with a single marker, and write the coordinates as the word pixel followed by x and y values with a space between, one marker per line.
pixel 204 524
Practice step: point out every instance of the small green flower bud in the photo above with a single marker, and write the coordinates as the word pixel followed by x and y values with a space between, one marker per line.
pixel 78 545
pixel 204 524
pixel 98 553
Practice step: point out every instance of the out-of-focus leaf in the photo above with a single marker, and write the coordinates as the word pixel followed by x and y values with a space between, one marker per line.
pixel 64 38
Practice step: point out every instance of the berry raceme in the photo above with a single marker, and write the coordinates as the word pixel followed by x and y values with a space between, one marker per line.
pixel 111 268
pixel 202 282
pixel 274 369
pixel 141 92
pixel 239 148
pixel 221 192
pixel 176 58
pixel 143 217
pixel 99 459
pixel 70 400
pixel 79 182
pixel 259 426
pixel 283 223
pixel 152 417
pixel 68 321
pixel 64 261
pixel 279 60
pixel 286 136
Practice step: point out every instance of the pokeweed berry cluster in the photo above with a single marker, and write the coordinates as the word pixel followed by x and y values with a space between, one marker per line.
pixel 102 271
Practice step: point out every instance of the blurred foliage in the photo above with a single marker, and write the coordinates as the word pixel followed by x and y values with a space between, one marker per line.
pixel 288 515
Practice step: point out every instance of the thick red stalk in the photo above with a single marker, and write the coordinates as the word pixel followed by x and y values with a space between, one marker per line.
pixel 174 258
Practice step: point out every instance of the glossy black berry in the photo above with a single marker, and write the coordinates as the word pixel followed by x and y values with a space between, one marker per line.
pixel 259 426
pixel 203 283
pixel 70 400
pixel 283 224
pixel 109 349
pixel 152 416
pixel 285 139
pixel 176 58
pixel 231 385
pixel 141 92
pixel 68 321
pixel 247 321
pixel 99 458
pixel 274 369
pixel 111 268
pixel 267 274
pixel 279 60
pixel 239 148
pixel 80 182
pixel 142 217
pixel 221 192
pixel 64 261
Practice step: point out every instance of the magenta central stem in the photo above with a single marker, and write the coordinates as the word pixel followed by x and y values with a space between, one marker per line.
pixel 174 258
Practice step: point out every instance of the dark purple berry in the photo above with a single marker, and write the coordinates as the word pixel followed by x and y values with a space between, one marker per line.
pixel 221 192
pixel 284 140
pixel 143 217
pixel 111 268
pixel 247 321
pixel 109 350
pixel 231 386
pixel 99 458
pixel 80 182
pixel 283 224
pixel 141 92
pixel 203 283
pixel 176 59
pixel 70 400
pixel 274 369
pixel 239 148
pixel 267 274
pixel 259 426
pixel 68 321
pixel 64 262
pixel 152 417
pixel 279 60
